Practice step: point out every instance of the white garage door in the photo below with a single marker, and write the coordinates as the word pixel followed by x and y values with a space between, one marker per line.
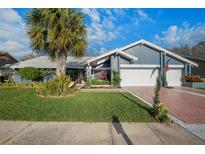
pixel 174 77
pixel 138 76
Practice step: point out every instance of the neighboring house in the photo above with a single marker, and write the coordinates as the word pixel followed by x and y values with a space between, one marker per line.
pixel 138 63
pixel 74 67
pixel 6 60
pixel 200 70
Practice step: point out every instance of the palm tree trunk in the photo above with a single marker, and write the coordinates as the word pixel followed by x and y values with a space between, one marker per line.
pixel 61 58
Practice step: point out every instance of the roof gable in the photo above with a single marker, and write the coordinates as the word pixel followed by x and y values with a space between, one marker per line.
pixel 148 44
pixel 158 48
pixel 145 55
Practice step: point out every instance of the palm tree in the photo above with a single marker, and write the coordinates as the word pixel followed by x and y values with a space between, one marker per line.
pixel 56 33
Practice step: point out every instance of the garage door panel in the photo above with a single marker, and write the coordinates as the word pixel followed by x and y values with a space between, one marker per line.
pixel 174 77
pixel 138 77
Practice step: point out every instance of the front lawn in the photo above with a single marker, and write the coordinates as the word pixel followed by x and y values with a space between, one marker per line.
pixel 22 104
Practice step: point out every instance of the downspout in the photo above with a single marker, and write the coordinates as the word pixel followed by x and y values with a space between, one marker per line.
pixel 88 71
pixel 164 73
pixel 189 69
pixel 185 69
pixel 161 68
pixel 118 64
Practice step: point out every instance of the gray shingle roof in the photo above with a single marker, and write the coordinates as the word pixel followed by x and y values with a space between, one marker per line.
pixel 44 62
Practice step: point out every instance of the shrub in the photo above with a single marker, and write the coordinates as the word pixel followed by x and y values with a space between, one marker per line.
pixel 99 82
pixel 40 89
pixel 31 73
pixel 27 84
pixel 161 112
pixel 88 82
pixel 157 88
pixel 193 78
pixel 9 82
pixel 60 85
pixel 116 78
pixel 21 85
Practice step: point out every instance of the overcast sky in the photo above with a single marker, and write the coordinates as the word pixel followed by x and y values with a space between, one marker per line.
pixel 113 28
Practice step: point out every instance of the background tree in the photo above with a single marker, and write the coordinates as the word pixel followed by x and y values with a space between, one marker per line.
pixel 56 33
pixel 197 50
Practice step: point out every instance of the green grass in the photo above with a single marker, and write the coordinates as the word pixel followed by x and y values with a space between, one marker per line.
pixel 22 104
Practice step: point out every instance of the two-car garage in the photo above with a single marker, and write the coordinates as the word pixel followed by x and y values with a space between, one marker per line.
pixel 141 62
pixel 145 75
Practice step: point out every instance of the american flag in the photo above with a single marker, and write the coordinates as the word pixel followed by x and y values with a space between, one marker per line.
pixel 166 67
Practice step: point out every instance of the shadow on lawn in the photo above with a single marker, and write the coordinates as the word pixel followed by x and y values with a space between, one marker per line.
pixel 146 108
pixel 119 129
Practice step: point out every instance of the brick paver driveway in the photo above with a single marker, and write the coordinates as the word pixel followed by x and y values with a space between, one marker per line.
pixel 187 106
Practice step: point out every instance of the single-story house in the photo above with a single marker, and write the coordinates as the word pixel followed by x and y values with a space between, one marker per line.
pixel 138 64
pixel 5 61
pixel 200 70
pixel 74 67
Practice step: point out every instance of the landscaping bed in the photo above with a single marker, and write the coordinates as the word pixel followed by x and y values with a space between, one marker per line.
pixel 23 104
pixel 197 85
pixel 194 81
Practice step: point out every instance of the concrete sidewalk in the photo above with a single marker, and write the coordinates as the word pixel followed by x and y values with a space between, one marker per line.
pixel 22 132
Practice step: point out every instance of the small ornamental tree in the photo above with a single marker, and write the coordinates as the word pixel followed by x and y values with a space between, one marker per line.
pixel 116 78
pixel 157 91
pixel 159 109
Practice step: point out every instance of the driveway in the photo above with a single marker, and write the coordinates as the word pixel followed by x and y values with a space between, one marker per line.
pixel 187 106
pixel 25 132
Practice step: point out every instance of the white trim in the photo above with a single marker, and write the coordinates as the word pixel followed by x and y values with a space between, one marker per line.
pixel 101 61
pixel 115 51
pixel 147 66
pixel 127 55
pixel 138 66
pixel 102 56
pixel 176 66
pixel 132 44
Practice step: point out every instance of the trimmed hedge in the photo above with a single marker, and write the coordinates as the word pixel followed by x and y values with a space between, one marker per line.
pixel 31 73
pixel 99 82
pixel 116 78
